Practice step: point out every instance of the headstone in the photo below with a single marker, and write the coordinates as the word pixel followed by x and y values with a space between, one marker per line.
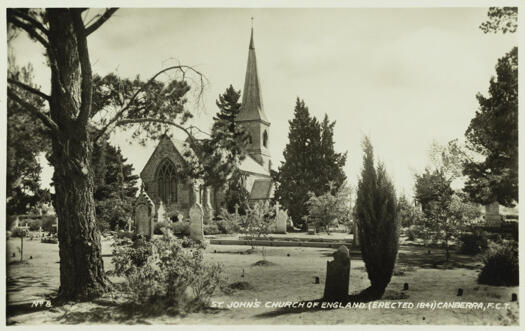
pixel 206 203
pixel 355 231
pixel 161 213
pixel 180 217
pixel 492 215
pixel 281 218
pixel 143 215
pixel 310 228
pixel 196 216
pixel 337 276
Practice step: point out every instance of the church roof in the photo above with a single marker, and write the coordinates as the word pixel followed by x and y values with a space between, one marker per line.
pixel 261 189
pixel 252 105
pixel 250 165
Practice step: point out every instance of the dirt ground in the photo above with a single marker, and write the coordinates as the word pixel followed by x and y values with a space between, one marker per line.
pixel 290 278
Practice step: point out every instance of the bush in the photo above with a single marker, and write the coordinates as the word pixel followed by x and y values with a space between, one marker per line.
pixel 473 243
pixel 162 272
pixel 35 224
pixel 47 223
pixel 501 265
pixel 19 233
pixel 49 240
pixel 210 229
pixel 159 225
pixel 181 228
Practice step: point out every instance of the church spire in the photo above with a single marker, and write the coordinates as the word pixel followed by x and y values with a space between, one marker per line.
pixel 252 105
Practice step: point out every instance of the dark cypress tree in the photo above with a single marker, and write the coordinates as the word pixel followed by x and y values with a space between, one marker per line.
pixel 299 173
pixel 378 224
pixel 333 163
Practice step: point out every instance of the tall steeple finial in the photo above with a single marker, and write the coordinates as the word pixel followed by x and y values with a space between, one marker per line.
pixel 251 37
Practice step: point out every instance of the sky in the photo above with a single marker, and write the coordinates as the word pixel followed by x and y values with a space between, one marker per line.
pixel 405 77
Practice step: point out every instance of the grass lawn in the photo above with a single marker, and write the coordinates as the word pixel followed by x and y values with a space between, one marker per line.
pixel 289 278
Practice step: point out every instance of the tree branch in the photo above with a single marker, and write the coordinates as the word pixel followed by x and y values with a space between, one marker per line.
pixel 154 120
pixel 135 95
pixel 27 27
pixel 85 67
pixel 30 89
pixel 31 20
pixel 98 23
pixel 32 109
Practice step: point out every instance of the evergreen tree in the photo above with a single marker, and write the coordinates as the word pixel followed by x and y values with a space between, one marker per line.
pixel 493 134
pixel 333 162
pixel 299 173
pixel 26 139
pixel 378 224
pixel 236 193
pixel 115 186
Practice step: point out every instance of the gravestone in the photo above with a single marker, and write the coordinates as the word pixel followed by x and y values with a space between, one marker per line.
pixel 196 216
pixel 355 231
pixel 492 215
pixel 310 228
pixel 144 213
pixel 337 276
pixel 281 218
pixel 161 213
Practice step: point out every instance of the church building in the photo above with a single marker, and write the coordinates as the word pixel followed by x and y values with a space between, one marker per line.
pixel 164 187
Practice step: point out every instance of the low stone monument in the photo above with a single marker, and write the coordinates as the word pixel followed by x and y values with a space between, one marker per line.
pixel 310 227
pixel 281 219
pixel 355 231
pixel 196 221
pixel 337 276
pixel 144 212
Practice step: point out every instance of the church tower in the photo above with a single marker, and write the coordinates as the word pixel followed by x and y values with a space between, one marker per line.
pixel 252 116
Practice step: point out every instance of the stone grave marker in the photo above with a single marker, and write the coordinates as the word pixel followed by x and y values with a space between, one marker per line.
pixel 281 218
pixel 196 220
pixel 161 213
pixel 144 212
pixel 337 276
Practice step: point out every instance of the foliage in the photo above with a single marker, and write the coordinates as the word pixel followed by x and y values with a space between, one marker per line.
pixel 504 19
pixel 226 145
pixel 49 240
pixel 229 222
pixel 432 187
pixel 26 139
pixel 115 186
pixel 378 224
pixel 180 228
pixel 211 229
pixel 310 163
pixel 501 265
pixel 258 220
pixel 493 135
pixel 47 223
pixel 163 273
pixel 323 210
pixel 474 242
pixel 19 233
pixel 408 214
pixel 236 193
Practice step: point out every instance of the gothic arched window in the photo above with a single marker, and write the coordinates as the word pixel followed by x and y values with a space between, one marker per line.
pixel 167 182
pixel 265 138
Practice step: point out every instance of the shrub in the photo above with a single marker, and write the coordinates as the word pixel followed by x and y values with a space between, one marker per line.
pixel 473 243
pixel 49 240
pixel 35 224
pixel 501 265
pixel 47 223
pixel 19 233
pixel 159 225
pixel 181 228
pixel 229 222
pixel 161 271
pixel 210 229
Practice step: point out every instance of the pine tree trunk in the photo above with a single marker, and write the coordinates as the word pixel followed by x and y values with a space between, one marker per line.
pixel 81 267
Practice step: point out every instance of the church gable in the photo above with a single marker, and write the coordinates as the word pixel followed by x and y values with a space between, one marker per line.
pixel 164 150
